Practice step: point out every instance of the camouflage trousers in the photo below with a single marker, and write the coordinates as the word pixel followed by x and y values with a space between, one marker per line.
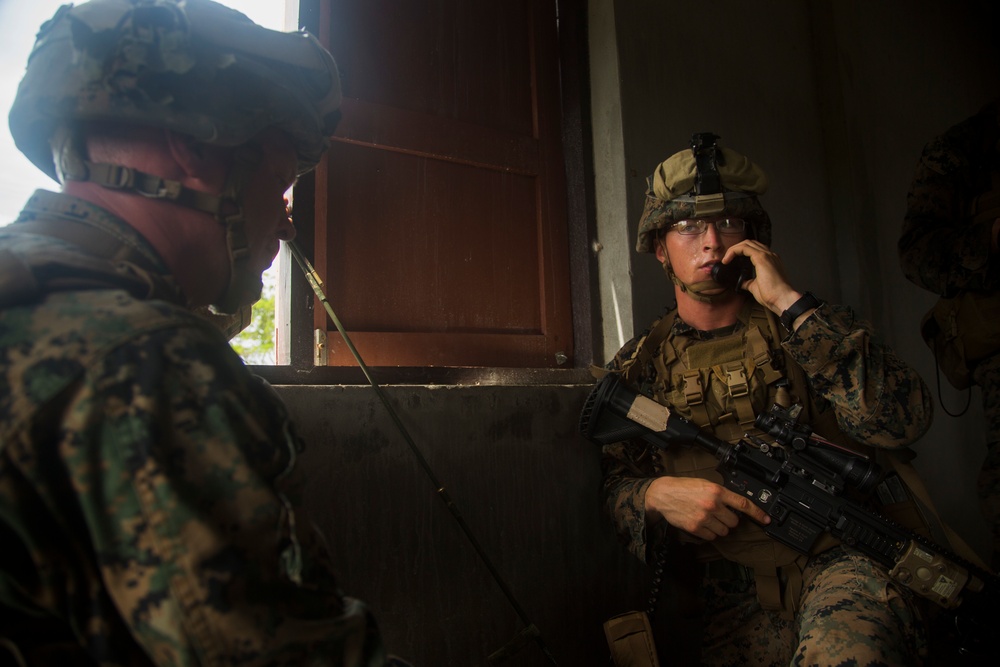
pixel 850 614
pixel 987 376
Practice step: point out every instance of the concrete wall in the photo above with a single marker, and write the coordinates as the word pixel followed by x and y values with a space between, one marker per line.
pixel 523 481
pixel 834 100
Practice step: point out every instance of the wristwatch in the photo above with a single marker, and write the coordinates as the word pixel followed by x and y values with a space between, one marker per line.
pixel 806 302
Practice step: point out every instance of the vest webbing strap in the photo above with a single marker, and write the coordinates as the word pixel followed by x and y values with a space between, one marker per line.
pixel 647 348
pixel 107 261
pixel 739 390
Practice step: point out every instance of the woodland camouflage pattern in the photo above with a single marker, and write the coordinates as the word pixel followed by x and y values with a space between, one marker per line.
pixel 147 479
pixel 878 400
pixel 942 250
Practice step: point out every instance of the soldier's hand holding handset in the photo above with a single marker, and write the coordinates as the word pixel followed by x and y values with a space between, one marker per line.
pixel 770 286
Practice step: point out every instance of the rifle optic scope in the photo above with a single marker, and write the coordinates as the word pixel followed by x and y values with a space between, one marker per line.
pixel 856 470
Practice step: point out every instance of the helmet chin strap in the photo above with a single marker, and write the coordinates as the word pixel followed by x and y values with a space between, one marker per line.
pixel 243 287
pixel 699 290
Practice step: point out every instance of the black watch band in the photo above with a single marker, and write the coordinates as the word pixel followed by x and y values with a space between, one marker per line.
pixel 806 302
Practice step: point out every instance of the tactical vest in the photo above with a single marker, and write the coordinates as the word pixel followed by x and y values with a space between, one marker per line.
pixel 109 259
pixel 722 384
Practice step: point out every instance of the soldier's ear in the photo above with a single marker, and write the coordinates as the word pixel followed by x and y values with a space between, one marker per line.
pixel 203 165
pixel 661 250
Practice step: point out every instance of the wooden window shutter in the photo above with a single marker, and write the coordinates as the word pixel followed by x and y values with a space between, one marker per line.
pixel 441 228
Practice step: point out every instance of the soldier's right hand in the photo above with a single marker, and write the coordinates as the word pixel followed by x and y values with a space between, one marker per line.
pixel 697 506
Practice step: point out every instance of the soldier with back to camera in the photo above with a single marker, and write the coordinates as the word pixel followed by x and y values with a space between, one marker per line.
pixel 148 497
pixel 950 245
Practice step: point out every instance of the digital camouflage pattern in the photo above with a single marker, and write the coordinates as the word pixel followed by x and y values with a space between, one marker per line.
pixel 876 398
pixel 849 616
pixel 945 249
pixel 939 248
pixel 147 480
pixel 195 67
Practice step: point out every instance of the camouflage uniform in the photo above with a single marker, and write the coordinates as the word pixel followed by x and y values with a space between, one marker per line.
pixel 848 609
pixel 944 251
pixel 147 497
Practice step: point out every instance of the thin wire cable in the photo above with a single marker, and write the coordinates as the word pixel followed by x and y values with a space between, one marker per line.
pixel 530 630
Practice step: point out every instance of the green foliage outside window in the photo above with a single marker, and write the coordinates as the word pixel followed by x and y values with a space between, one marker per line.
pixel 256 343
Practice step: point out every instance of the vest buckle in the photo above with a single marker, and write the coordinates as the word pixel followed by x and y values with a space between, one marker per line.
pixel 694 392
pixel 736 378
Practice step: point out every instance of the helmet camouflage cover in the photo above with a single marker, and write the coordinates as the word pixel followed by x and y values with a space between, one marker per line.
pixel 671 194
pixel 192 66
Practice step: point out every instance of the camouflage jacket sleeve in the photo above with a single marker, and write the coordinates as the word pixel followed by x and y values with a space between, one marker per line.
pixel 940 249
pixel 627 472
pixel 628 468
pixel 183 463
pixel 877 397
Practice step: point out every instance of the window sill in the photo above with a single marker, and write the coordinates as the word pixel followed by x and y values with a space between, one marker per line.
pixel 394 375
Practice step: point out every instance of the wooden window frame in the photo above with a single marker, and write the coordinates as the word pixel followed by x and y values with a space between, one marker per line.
pixel 296 323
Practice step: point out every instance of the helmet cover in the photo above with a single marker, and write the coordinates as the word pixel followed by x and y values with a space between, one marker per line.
pixel 673 194
pixel 191 66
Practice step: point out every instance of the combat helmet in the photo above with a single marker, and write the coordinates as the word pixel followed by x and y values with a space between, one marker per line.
pixel 191 66
pixel 705 180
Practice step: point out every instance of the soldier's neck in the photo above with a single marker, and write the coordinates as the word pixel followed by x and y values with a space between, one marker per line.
pixel 722 312
pixel 191 243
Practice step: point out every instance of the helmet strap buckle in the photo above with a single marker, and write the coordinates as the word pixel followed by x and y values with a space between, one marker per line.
pixel 112 176
pixel 155 187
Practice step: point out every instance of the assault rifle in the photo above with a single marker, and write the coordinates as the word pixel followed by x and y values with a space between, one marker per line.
pixel 801 484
